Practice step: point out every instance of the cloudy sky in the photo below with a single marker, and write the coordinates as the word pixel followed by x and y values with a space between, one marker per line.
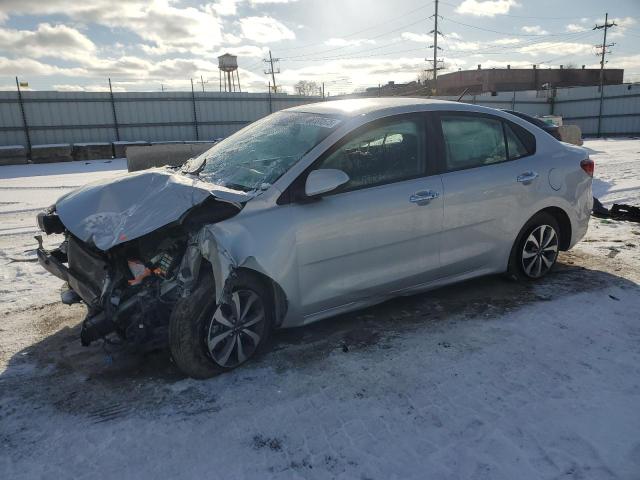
pixel 348 44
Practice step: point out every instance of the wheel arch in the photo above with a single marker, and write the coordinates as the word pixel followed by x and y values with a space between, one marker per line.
pixel 564 222
pixel 278 296
pixel 564 225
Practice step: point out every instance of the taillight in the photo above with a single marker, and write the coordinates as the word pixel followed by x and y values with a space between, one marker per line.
pixel 588 166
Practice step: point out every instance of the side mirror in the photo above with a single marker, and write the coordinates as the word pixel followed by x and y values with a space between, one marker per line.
pixel 324 180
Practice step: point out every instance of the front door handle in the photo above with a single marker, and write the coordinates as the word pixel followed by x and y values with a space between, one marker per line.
pixel 423 197
pixel 527 177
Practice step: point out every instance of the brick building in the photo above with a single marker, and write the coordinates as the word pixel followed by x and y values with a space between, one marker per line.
pixel 510 79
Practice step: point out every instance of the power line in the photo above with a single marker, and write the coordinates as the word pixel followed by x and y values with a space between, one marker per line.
pixel 346 46
pixel 509 49
pixel 514 34
pixel 312 56
pixel 254 66
pixel 395 52
pixel 532 39
pixel 386 22
pixel 321 55
pixel 519 16
pixel 348 55
pixel 493 50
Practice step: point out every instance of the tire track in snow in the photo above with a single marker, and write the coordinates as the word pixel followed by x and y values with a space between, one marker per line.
pixel 25 210
pixel 59 187
pixel 7 232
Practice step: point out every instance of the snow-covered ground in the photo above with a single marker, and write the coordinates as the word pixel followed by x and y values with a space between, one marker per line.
pixel 26 190
pixel 486 380
pixel 617 178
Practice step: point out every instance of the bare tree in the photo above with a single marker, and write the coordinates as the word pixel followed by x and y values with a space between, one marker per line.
pixel 307 88
pixel 423 77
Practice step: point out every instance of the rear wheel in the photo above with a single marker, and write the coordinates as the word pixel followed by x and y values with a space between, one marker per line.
pixel 208 338
pixel 535 251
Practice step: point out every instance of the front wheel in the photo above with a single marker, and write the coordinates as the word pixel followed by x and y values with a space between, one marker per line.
pixel 535 251
pixel 236 331
pixel 208 338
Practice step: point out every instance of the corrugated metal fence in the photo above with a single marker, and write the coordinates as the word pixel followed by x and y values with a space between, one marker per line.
pixel 78 117
pixel 580 106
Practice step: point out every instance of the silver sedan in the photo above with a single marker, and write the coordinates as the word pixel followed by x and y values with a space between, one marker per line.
pixel 311 212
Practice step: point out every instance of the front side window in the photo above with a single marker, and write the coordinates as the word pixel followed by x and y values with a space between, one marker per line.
pixel 381 154
pixel 256 156
pixel 472 141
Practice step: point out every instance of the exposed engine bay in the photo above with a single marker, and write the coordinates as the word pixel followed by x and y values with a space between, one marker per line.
pixel 131 288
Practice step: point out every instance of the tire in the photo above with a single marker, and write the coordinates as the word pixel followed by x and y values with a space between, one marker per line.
pixel 527 260
pixel 198 322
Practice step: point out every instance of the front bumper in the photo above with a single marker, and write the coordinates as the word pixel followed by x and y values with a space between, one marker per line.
pixel 53 262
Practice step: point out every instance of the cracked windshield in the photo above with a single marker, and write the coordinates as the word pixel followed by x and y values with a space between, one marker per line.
pixel 259 154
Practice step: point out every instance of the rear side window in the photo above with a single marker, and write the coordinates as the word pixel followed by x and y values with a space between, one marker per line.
pixel 472 141
pixel 387 153
pixel 525 137
pixel 516 147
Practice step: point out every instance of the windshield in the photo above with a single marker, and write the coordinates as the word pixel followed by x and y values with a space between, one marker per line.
pixel 257 155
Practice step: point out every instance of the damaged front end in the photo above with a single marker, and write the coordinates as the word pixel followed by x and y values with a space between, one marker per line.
pixel 130 285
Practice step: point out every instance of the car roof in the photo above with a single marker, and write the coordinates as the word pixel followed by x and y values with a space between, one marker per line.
pixel 359 106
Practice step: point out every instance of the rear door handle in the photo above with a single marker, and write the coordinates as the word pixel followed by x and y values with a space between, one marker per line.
pixel 423 197
pixel 527 177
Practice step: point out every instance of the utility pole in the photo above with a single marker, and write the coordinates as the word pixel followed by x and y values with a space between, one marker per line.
pixel 435 47
pixel 195 112
pixel 606 26
pixel 202 82
pixel 113 110
pixel 24 119
pixel 271 71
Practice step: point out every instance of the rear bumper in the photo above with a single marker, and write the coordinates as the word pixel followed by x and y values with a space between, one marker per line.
pixel 580 220
pixel 579 233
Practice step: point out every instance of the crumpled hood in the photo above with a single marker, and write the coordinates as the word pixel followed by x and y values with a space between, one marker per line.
pixel 114 211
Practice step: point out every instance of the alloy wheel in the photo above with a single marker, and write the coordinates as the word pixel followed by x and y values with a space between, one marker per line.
pixel 540 251
pixel 235 330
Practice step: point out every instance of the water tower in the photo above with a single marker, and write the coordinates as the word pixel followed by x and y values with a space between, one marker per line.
pixel 228 65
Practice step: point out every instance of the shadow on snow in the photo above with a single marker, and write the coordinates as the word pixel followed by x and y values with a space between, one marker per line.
pixel 105 383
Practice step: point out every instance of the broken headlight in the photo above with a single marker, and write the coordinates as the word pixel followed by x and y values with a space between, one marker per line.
pixel 49 223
